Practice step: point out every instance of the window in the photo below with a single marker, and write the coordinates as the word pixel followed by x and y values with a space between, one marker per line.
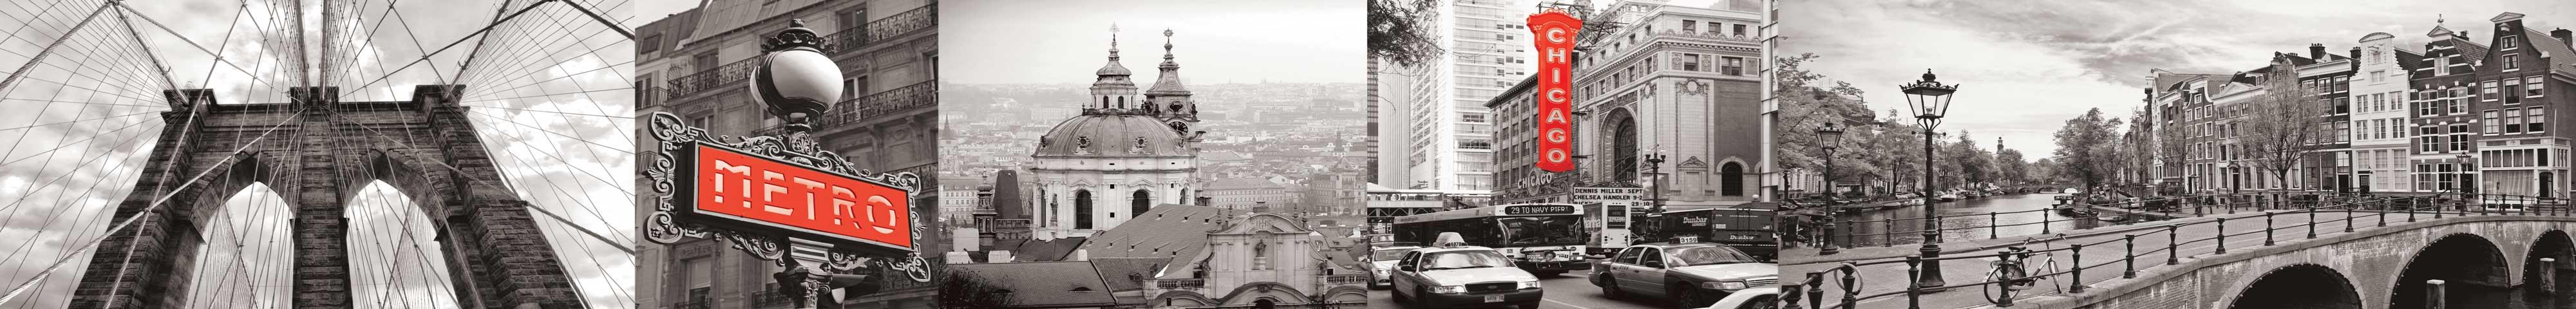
pixel 1139 202
pixel 2531 86
pixel 2490 122
pixel 2490 93
pixel 2506 42
pixel 1690 26
pixel 1739 30
pixel 2512 121
pixel 698 277
pixel 1690 62
pixel 1734 66
pixel 2533 119
pixel 649 44
pixel 2509 64
pixel 1082 209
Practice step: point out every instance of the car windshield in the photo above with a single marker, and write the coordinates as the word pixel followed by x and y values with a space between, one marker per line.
pixel 1707 255
pixel 1388 254
pixel 1539 231
pixel 1464 259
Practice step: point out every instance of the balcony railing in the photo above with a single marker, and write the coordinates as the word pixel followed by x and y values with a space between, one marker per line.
pixel 889 102
pixel 1346 279
pixel 853 38
pixel 1180 283
pixel 728 75
pixel 732 74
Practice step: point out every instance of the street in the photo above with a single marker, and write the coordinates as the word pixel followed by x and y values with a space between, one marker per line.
pixel 1565 291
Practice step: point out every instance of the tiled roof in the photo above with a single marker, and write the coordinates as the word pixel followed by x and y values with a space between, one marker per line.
pixel 2471 49
pixel 1123 274
pixel 1045 284
pixel 2561 58
pixel 1047 251
pixel 1169 230
pixel 1241 183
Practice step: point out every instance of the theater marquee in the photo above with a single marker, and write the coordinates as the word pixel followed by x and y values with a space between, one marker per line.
pixel 1555 42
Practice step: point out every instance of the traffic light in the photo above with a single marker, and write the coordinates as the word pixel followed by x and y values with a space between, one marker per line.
pixel 792 283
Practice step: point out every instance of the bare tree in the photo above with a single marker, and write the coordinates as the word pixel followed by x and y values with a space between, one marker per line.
pixel 2280 127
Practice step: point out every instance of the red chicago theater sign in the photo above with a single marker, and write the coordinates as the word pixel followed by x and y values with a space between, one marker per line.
pixel 1555 42
pixel 729 188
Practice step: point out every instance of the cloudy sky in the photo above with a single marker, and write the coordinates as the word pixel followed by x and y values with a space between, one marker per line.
pixel 1214 41
pixel 549 93
pixel 2029 65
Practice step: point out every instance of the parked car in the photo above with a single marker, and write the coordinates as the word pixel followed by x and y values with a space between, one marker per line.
pixel 1381 262
pixel 1753 298
pixel 1690 275
pixel 1458 275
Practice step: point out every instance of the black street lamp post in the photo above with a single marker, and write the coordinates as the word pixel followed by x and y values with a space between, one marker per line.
pixel 1832 135
pixel 1930 100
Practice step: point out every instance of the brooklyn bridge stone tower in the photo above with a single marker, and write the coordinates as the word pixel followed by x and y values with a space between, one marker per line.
pixel 316 153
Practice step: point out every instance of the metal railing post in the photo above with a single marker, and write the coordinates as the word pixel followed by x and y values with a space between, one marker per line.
pixel 2312 222
pixel 2222 236
pixel 2173 244
pixel 1789 298
pixel 1851 293
pixel 2267 228
pixel 1993 231
pixel 1914 292
pixel 2077 272
pixel 2129 258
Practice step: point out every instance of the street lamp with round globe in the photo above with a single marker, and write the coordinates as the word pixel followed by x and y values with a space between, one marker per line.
pixel 796 80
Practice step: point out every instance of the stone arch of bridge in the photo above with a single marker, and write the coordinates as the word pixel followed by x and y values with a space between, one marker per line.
pixel 2473 270
pixel 2545 284
pixel 2299 286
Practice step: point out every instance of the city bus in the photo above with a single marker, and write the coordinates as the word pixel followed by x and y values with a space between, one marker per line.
pixel 1540 238
pixel 1748 228
pixel 1607 223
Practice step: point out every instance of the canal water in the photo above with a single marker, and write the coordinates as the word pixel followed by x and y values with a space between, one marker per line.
pixel 1967 219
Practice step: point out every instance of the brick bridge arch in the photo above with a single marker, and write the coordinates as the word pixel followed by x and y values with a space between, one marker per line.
pixel 2373 259
pixel 319 153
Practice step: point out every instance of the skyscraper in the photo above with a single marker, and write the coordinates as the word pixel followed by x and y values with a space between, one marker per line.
pixel 1448 133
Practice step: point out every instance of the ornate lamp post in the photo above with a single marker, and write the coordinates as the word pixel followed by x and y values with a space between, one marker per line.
pixel 796 81
pixel 1930 100
pixel 1832 135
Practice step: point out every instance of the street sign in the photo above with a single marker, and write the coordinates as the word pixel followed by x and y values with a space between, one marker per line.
pixel 732 189
pixel 1555 102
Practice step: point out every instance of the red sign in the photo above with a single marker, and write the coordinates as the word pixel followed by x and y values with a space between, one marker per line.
pixel 1555 31
pixel 746 192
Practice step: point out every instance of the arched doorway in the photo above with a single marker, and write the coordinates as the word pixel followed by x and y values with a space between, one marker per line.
pixel 1139 202
pixel 1730 179
pixel 1623 146
pixel 2302 286
pixel 2472 269
pixel 2543 288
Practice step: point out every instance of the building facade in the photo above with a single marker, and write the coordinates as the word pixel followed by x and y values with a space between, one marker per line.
pixel 1448 135
pixel 1677 83
pixel 2380 115
pixel 2328 78
pixel 694 64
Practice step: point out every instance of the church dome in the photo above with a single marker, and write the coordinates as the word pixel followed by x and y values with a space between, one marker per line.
pixel 1111 134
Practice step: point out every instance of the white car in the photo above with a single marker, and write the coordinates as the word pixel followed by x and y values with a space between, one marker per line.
pixel 1687 274
pixel 1753 298
pixel 1381 264
pixel 1458 275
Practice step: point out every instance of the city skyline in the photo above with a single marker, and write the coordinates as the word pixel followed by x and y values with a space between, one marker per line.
pixel 1209 36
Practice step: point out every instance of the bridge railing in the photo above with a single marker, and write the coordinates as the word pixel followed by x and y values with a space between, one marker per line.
pixel 1844 232
pixel 2380 210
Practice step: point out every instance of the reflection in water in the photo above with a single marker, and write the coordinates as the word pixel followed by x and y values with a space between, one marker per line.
pixel 1968 219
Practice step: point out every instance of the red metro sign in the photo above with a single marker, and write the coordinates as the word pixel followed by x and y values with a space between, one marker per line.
pixel 1555 31
pixel 746 192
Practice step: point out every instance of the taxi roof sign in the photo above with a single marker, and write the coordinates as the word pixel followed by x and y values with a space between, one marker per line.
pixel 1450 239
